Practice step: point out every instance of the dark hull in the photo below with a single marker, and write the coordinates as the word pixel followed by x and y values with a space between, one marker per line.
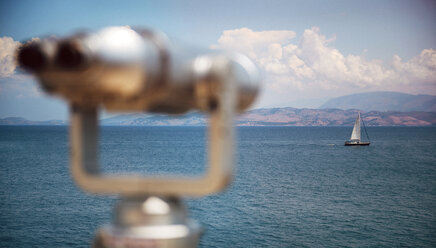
pixel 348 143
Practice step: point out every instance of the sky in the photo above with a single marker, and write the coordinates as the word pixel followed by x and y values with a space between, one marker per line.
pixel 307 51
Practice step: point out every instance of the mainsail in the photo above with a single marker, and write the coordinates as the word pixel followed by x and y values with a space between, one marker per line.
pixel 355 135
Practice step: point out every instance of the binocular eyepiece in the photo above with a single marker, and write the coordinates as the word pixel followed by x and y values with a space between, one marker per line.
pixel 70 56
pixel 34 58
pixel 31 57
pixel 136 70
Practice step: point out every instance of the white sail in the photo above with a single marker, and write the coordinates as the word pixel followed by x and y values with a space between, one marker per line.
pixel 355 135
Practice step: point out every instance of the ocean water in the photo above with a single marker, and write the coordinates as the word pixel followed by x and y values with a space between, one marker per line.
pixel 293 187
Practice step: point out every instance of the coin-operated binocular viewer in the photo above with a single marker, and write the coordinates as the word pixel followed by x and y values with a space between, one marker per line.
pixel 123 69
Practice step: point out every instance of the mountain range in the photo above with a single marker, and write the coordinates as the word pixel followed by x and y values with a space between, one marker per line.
pixel 264 117
pixel 24 122
pixel 284 117
pixel 383 101
pixel 391 109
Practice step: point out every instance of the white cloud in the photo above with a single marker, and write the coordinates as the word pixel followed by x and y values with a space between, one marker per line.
pixel 255 44
pixel 7 56
pixel 16 85
pixel 314 68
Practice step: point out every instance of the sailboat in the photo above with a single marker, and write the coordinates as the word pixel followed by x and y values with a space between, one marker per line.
pixel 355 135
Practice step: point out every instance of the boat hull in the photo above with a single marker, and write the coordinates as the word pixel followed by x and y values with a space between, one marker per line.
pixel 348 143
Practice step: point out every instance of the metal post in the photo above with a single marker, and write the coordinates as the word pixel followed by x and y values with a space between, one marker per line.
pixel 147 222
pixel 141 219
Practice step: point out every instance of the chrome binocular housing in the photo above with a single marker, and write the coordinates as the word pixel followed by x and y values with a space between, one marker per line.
pixel 135 70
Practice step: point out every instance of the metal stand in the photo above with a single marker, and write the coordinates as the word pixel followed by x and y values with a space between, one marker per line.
pixel 219 172
pixel 149 222
pixel 141 219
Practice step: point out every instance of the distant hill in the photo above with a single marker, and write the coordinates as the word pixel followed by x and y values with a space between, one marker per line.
pixel 284 117
pixel 24 122
pixel 265 117
pixel 333 117
pixel 189 119
pixel 383 101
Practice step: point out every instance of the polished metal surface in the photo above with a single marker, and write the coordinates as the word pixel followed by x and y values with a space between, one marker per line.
pixel 149 222
pixel 85 166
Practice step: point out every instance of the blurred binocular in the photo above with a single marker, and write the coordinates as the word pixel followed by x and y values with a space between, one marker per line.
pixel 122 69
pixel 136 70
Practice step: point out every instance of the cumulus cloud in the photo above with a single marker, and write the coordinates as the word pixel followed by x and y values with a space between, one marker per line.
pixel 312 67
pixel 12 84
pixel 257 45
pixel 7 56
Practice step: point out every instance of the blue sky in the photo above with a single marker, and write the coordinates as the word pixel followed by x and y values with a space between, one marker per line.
pixel 308 51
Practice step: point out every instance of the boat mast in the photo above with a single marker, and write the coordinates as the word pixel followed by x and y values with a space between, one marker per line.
pixel 364 128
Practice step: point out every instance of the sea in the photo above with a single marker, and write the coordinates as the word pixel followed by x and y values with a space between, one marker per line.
pixel 293 186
